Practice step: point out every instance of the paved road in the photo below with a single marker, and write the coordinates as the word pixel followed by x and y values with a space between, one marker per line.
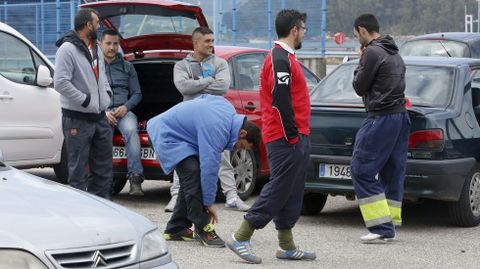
pixel 427 239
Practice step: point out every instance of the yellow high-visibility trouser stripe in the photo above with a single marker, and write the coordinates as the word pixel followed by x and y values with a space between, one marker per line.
pixel 376 213
pixel 396 211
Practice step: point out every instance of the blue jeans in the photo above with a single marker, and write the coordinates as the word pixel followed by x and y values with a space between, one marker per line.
pixel 128 126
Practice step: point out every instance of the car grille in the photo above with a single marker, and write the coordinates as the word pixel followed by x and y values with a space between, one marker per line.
pixel 105 256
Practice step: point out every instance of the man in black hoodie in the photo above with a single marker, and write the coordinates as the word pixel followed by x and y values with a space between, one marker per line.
pixel 380 153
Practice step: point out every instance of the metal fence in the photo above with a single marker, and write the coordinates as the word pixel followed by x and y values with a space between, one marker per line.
pixel 235 22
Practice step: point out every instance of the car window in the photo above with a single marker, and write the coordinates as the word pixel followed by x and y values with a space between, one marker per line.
pixel 476 78
pixel 430 86
pixel 135 25
pixel 16 64
pixel 248 69
pixel 310 78
pixel 443 48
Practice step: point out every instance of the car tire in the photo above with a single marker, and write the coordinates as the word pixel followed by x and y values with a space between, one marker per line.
pixel 118 184
pixel 313 203
pixel 245 172
pixel 61 169
pixel 466 211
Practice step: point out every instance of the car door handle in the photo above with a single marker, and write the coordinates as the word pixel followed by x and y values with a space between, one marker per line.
pixel 6 97
pixel 250 106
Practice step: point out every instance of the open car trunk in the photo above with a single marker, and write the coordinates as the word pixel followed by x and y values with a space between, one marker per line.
pixel 158 90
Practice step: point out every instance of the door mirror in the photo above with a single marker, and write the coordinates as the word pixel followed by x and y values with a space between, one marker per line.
pixel 345 59
pixel 44 78
pixel 1 157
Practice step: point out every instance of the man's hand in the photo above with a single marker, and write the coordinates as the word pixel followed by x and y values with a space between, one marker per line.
pixel 111 118
pixel 120 111
pixel 212 211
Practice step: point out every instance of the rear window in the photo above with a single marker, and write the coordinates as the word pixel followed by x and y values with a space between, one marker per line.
pixel 439 48
pixel 428 86
pixel 135 25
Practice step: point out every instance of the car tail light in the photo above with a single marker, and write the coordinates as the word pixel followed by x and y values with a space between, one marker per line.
pixel 426 139
pixel 142 125
pixel 408 104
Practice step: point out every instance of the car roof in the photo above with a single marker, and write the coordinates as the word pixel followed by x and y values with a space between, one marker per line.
pixel 227 52
pixel 435 61
pixel 457 36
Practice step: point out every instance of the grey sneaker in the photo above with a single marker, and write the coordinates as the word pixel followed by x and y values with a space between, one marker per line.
pixel 136 189
pixel 171 205
pixel 243 249
pixel 238 204
pixel 296 254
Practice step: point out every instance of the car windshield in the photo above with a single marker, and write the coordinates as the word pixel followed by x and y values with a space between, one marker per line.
pixel 442 48
pixel 131 25
pixel 429 86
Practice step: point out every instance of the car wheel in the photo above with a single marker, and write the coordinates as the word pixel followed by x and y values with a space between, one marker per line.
pixel 245 172
pixel 118 184
pixel 61 169
pixel 466 211
pixel 313 203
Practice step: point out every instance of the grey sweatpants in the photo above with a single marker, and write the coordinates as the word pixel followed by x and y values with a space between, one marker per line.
pixel 89 148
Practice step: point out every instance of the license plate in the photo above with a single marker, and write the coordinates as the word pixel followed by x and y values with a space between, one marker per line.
pixel 145 153
pixel 334 171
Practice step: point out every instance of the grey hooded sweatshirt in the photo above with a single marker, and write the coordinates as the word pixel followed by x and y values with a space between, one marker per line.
pixel 193 78
pixel 82 95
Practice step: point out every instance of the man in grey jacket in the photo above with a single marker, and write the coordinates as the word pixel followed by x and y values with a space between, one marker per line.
pixel 85 95
pixel 123 81
pixel 203 72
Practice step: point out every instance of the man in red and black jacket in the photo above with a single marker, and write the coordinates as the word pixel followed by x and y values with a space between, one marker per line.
pixel 285 103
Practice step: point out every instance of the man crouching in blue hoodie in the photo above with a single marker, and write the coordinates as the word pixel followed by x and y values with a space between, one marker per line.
pixel 190 138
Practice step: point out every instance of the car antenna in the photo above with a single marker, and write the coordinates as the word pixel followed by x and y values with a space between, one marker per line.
pixel 443 46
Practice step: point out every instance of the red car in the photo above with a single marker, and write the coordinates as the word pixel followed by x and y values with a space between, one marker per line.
pixel 154 36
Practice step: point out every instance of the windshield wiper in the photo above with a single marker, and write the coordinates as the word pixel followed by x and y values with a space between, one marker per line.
pixel 443 46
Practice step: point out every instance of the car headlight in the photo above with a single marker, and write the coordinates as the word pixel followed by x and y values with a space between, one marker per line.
pixel 153 245
pixel 12 258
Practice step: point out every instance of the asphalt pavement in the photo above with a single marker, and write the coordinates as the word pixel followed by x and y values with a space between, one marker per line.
pixel 427 239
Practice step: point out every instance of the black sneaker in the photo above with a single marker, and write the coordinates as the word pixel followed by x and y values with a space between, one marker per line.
pixel 186 235
pixel 136 185
pixel 209 238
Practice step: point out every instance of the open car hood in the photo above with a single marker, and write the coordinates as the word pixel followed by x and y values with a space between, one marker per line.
pixel 150 24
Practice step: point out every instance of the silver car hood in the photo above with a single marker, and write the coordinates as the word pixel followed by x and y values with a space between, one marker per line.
pixel 36 213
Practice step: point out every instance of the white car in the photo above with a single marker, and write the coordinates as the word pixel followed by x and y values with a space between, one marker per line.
pixel 30 113
pixel 46 225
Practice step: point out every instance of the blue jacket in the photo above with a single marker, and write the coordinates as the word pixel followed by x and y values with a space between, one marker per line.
pixel 203 127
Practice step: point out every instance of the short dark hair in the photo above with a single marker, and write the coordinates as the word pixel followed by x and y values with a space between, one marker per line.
pixel 369 22
pixel 253 133
pixel 202 30
pixel 109 32
pixel 83 16
pixel 286 19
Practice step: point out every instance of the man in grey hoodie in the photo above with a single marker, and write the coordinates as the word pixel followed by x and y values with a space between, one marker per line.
pixel 123 81
pixel 85 95
pixel 203 72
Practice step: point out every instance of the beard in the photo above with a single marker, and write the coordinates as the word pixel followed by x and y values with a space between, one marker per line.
pixel 93 35
pixel 298 46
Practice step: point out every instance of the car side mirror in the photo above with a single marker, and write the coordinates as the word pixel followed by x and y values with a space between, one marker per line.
pixel 1 157
pixel 44 78
pixel 345 59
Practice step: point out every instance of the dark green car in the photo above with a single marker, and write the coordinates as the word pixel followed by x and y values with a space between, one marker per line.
pixel 444 143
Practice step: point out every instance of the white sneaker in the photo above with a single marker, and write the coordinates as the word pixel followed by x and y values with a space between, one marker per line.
pixel 372 238
pixel 238 204
pixel 171 205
